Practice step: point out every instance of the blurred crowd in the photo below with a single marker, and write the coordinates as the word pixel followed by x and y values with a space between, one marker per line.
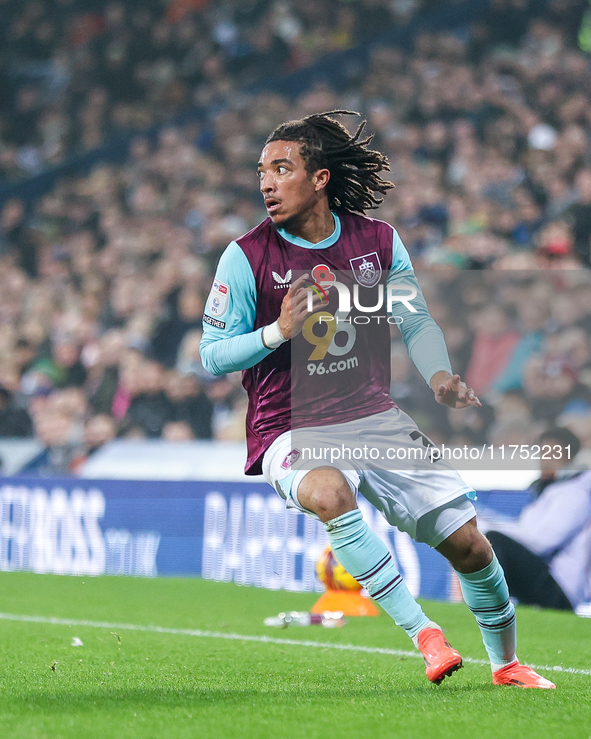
pixel 103 279
pixel 75 72
pixel 521 339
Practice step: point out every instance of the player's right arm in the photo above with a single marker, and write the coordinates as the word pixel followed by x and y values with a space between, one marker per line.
pixel 229 342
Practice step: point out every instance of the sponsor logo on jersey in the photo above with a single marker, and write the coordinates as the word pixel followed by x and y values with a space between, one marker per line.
pixel 367 269
pixel 218 299
pixel 282 281
pixel 292 457
pixel 214 322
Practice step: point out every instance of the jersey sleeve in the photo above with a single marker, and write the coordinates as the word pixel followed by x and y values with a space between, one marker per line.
pixel 400 257
pixel 423 338
pixel 229 342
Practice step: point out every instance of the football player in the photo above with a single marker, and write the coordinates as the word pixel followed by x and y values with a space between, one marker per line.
pixel 273 289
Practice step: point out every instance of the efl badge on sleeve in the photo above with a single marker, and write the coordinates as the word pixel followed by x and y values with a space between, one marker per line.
pixel 218 299
pixel 367 269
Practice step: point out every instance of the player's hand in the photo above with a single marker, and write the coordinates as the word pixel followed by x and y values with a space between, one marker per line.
pixel 451 391
pixel 294 308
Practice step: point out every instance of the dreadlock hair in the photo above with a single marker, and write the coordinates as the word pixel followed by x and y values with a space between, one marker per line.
pixel 354 167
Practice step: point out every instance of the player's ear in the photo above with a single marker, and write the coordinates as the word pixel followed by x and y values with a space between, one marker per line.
pixel 322 176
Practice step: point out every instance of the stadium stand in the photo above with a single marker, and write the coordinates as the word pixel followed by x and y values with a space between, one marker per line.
pixel 142 143
pixel 78 71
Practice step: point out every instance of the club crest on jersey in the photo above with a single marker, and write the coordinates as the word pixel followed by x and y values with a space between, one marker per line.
pixel 367 269
pixel 282 281
pixel 292 457
pixel 218 299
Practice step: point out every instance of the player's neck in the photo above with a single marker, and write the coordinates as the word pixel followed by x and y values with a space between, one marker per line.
pixel 315 226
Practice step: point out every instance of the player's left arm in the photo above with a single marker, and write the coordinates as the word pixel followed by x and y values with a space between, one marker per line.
pixel 424 339
pixel 450 390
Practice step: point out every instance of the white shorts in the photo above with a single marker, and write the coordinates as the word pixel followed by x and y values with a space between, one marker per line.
pixel 426 499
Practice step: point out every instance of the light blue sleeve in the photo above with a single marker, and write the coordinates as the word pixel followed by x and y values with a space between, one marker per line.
pixel 400 257
pixel 229 342
pixel 423 337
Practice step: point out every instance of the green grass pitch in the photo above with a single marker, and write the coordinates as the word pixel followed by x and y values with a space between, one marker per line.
pixel 131 684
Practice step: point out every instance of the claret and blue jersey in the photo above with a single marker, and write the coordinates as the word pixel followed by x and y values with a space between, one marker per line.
pixel 320 377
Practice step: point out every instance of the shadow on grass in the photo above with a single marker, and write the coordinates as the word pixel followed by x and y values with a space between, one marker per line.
pixel 167 697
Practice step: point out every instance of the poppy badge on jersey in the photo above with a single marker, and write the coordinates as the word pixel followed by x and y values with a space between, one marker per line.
pixel 367 269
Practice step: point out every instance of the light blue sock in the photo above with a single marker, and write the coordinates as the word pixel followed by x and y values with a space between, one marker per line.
pixel 487 596
pixel 365 556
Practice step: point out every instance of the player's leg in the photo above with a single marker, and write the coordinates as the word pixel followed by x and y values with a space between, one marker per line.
pixel 326 492
pixel 486 594
pixel 330 495
pixel 428 499
pixel 484 589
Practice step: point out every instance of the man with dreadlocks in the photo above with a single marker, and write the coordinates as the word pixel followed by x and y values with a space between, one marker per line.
pixel 317 182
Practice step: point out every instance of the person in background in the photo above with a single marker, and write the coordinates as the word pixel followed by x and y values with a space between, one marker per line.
pixel 191 406
pixel 14 421
pixel 98 431
pixel 546 553
pixel 150 409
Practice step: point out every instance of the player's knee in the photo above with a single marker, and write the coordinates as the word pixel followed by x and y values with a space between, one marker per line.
pixel 326 492
pixel 467 549
pixel 478 555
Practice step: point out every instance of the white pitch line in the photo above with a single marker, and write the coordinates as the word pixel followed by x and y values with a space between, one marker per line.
pixel 252 638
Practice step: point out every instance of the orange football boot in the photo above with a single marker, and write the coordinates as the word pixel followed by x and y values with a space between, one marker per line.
pixel 441 659
pixel 522 676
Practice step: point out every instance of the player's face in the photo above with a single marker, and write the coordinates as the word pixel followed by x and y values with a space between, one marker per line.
pixel 289 191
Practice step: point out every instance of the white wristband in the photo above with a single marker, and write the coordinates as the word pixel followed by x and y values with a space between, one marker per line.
pixel 272 336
